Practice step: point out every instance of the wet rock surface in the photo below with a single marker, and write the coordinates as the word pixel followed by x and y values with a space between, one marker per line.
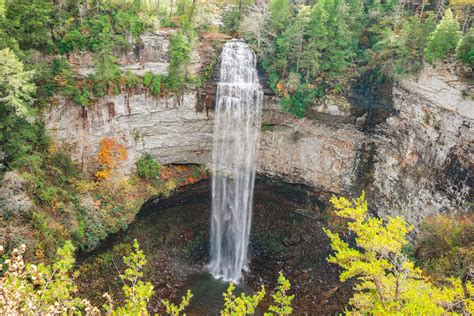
pixel 174 234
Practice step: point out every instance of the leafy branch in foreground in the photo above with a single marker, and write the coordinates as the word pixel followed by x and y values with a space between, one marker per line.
pixel 50 289
pixel 388 282
pixel 282 301
pixel 136 291
pixel 175 310
pixel 243 305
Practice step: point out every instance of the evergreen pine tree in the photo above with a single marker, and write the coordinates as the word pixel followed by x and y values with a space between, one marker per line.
pixel 444 39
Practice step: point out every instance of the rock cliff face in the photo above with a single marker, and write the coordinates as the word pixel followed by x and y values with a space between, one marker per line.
pixel 416 163
pixel 424 158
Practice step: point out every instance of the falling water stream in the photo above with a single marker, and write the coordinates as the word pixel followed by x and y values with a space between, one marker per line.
pixel 236 134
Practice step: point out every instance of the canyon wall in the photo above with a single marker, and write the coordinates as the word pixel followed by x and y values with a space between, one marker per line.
pixel 418 162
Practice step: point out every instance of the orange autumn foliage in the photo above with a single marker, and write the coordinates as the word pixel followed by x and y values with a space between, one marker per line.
pixel 109 153
pixel 281 89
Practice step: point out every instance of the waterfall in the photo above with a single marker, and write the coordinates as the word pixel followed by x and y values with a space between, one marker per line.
pixel 236 135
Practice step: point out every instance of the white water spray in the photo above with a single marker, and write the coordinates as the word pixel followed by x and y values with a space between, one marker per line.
pixel 236 135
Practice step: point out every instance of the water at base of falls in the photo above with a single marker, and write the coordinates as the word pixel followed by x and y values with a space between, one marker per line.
pixel 236 134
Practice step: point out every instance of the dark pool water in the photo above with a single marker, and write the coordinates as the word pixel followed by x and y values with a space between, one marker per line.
pixel 208 292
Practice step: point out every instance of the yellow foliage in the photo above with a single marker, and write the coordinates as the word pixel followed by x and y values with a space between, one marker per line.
pixel 85 186
pixel 388 282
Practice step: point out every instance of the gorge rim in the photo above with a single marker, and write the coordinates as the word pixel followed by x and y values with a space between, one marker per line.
pixel 236 135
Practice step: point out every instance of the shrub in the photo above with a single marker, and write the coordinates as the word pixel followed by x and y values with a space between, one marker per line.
pixel 63 76
pixel 81 96
pixel 72 41
pixel 147 167
pixel 132 80
pixel 445 246
pixel 148 79
pixel 444 39
pixel 155 86
pixel 465 50
pixel 299 102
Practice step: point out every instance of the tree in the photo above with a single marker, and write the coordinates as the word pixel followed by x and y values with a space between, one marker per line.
pixel 16 86
pixel 465 50
pixel 410 44
pixel 31 22
pixel 279 13
pixel 19 132
pixel 254 28
pixel 388 282
pixel 107 72
pixel 444 39
pixel 294 39
pixel 109 153
pixel 180 50
pixel 147 167
pixel 49 289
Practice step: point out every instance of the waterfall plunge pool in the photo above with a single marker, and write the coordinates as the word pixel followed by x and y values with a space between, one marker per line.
pixel 174 233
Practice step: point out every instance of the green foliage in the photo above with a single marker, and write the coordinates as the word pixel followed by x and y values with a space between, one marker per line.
pixel 281 301
pixel 45 289
pixel 387 281
pixel 411 42
pixel 185 12
pixel 155 87
pixel 148 79
pixel 63 76
pixel 233 15
pixel 299 102
pixel 153 82
pixel 465 50
pixel 174 310
pixel 304 49
pixel 193 246
pixel 279 13
pixel 444 39
pixel 137 293
pixel 42 289
pixel 243 305
pixel 445 246
pixel 16 87
pixel 3 7
pixel 82 97
pixel 180 50
pixel 147 167
pixel 107 72
pixel 30 22
pixel 19 132
pixel 73 40
pixel 133 81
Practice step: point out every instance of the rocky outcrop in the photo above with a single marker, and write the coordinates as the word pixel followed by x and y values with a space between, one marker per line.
pixel 14 200
pixel 168 127
pixel 417 162
pixel 424 158
pixel 307 151
pixel 151 54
